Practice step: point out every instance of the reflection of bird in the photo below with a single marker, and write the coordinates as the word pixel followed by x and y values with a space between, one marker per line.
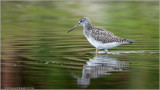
pixel 99 66
pixel 99 37
pixel 102 65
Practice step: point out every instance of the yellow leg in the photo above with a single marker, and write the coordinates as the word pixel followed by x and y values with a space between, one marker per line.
pixel 96 51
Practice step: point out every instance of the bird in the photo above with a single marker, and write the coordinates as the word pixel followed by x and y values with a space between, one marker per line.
pixel 99 37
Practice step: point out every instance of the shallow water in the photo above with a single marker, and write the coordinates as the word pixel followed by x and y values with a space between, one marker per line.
pixel 38 53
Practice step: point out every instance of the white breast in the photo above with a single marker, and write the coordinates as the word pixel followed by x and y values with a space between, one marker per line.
pixel 100 45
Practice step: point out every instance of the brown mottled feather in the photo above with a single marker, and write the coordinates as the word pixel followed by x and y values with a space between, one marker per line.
pixel 105 36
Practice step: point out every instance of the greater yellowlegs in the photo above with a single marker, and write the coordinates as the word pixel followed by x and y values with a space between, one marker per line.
pixel 99 37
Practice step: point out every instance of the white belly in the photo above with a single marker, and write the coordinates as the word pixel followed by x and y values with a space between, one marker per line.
pixel 100 45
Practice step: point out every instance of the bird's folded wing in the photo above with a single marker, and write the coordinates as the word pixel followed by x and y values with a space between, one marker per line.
pixel 105 36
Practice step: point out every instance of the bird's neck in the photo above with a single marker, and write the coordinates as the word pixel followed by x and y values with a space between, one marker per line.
pixel 87 26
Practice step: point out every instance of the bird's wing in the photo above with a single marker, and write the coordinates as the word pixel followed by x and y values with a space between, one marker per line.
pixel 105 36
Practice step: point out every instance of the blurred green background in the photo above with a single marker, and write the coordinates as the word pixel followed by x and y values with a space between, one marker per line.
pixel 37 52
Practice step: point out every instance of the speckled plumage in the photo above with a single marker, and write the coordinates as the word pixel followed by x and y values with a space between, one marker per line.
pixel 104 36
pixel 99 37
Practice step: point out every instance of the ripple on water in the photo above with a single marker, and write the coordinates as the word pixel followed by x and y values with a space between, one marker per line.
pixel 127 52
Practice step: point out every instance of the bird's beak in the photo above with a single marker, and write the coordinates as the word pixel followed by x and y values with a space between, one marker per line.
pixel 73 28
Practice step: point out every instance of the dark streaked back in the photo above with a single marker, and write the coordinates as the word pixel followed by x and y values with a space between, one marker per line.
pixel 104 36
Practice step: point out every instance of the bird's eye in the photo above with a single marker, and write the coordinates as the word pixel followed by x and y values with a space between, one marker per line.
pixel 81 21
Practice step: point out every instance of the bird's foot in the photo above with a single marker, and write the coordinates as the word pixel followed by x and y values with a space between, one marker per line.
pixel 106 51
pixel 96 52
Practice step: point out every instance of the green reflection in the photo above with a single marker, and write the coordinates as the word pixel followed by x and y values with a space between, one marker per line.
pixel 36 31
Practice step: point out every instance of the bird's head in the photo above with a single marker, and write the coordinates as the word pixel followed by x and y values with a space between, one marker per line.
pixel 82 22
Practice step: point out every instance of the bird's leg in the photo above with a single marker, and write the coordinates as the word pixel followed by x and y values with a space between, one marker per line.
pixel 96 51
pixel 106 50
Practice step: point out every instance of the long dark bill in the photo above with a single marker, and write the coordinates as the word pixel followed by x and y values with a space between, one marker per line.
pixel 73 28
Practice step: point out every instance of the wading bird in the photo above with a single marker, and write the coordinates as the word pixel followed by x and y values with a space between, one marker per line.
pixel 99 37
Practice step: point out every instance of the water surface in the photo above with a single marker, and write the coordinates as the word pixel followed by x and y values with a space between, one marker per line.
pixel 38 52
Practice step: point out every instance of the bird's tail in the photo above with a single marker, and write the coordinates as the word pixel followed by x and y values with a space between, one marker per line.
pixel 130 41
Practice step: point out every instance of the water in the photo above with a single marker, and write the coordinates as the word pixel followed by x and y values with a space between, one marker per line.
pixel 38 53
